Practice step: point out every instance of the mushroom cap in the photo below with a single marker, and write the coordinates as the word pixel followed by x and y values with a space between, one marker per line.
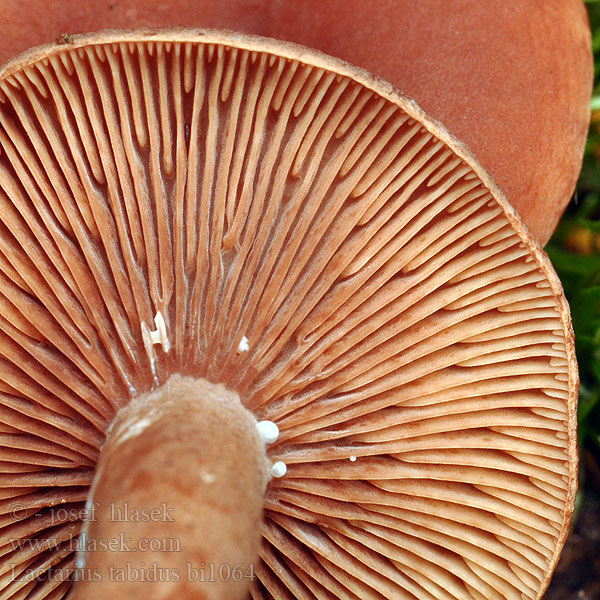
pixel 263 216
pixel 512 80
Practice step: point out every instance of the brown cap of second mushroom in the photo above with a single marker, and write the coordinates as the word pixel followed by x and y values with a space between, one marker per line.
pixel 512 80
pixel 194 204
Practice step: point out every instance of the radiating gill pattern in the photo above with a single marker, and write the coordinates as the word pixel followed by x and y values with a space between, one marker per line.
pixel 390 311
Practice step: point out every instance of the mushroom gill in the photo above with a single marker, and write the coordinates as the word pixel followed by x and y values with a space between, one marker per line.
pixel 258 215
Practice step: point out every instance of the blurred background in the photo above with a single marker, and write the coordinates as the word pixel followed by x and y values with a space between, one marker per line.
pixel 575 252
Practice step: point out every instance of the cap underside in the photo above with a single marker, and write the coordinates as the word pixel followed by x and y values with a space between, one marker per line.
pixel 316 247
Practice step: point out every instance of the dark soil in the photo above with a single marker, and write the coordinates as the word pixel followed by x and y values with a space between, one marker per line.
pixel 577 575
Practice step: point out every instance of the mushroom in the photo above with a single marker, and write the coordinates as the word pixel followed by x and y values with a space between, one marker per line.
pixel 194 222
pixel 511 80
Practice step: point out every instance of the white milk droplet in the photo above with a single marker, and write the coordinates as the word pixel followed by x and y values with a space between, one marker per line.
pixel 268 431
pixel 279 469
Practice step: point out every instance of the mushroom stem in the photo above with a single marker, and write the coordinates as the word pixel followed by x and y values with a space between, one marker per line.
pixel 177 500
